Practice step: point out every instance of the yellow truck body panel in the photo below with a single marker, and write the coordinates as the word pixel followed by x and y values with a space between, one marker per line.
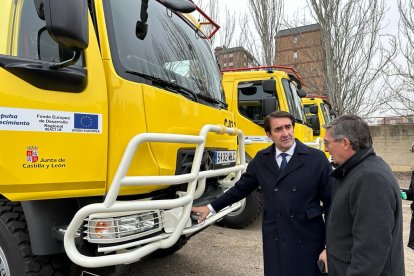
pixel 323 117
pixel 256 138
pixel 66 163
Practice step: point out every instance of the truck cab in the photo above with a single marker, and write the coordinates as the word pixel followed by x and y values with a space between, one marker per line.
pixel 113 123
pixel 318 112
pixel 252 93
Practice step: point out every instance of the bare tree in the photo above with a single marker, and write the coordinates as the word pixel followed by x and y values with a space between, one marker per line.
pixel 354 53
pixel 402 101
pixel 307 60
pixel 211 9
pixel 246 38
pixel 305 37
pixel 267 17
pixel 226 33
pixel 227 30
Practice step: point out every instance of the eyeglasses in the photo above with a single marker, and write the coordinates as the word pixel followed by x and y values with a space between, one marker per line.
pixel 327 143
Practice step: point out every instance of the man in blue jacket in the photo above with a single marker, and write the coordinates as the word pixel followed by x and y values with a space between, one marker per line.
pixel 294 180
pixel 364 227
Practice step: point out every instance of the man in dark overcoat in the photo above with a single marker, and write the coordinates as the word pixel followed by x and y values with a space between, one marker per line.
pixel 296 192
pixel 364 227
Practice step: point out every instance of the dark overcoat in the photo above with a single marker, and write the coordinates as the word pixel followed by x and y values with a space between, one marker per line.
pixel 293 226
pixel 364 227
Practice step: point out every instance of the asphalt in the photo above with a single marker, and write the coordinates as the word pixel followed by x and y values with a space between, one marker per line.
pixel 230 252
pixel 215 251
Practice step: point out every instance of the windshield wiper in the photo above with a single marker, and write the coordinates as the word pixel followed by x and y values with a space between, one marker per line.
pixel 212 100
pixel 166 84
pixel 299 121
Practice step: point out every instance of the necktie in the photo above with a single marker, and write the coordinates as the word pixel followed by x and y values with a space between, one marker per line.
pixel 284 161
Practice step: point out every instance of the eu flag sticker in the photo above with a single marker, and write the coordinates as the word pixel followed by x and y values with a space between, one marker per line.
pixel 86 121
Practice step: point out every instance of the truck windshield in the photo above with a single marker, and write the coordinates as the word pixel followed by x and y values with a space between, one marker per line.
pixel 325 112
pixel 150 42
pixel 293 100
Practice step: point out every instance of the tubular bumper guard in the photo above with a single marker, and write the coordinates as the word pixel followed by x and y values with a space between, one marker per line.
pixel 196 184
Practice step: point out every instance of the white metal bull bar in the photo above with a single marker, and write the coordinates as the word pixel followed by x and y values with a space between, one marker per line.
pixel 195 188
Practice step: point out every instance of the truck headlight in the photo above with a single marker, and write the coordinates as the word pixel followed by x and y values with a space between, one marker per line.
pixel 136 224
pixel 102 229
pixel 122 228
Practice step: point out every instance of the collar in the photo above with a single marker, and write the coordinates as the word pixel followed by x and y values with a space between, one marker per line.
pixel 300 148
pixel 342 170
pixel 289 151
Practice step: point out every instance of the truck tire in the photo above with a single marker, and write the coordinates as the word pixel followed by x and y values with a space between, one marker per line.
pixel 246 214
pixel 16 256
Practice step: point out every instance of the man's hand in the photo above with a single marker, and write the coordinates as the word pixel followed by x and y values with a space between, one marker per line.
pixel 322 257
pixel 202 213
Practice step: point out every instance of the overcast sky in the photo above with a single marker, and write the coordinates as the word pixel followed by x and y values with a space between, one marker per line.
pixel 299 8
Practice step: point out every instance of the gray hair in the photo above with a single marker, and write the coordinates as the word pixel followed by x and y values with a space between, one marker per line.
pixel 352 127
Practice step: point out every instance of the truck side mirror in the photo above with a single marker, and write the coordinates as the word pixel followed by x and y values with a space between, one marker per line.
pixel 141 27
pixel 313 109
pixel 183 6
pixel 332 113
pixel 67 22
pixel 269 105
pixel 269 86
pixel 301 93
pixel 316 126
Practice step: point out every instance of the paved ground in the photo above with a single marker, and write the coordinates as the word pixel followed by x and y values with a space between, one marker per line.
pixel 222 251
pixel 215 251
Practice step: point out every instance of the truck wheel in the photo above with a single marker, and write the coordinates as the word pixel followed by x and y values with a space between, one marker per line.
pixel 16 256
pixel 246 214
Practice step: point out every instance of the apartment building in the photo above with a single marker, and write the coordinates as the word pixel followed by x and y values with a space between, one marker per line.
pixel 235 57
pixel 302 48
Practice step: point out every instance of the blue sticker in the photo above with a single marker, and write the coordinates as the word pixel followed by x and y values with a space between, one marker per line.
pixel 86 121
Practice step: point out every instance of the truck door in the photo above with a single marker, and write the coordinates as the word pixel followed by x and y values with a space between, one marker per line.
pixel 52 120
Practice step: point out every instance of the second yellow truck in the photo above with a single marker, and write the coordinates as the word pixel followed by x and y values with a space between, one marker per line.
pixel 251 94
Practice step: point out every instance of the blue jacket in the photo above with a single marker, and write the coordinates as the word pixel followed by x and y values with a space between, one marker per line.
pixel 293 227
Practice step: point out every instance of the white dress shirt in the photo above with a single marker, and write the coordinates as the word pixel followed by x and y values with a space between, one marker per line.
pixel 289 153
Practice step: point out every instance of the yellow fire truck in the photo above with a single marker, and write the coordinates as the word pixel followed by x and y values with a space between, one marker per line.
pixel 251 94
pixel 318 112
pixel 113 123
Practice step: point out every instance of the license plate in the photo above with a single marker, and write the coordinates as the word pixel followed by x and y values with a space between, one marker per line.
pixel 224 157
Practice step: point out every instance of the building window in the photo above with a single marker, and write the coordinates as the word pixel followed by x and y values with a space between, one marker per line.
pixel 231 64
pixel 295 55
pixel 231 55
pixel 295 39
